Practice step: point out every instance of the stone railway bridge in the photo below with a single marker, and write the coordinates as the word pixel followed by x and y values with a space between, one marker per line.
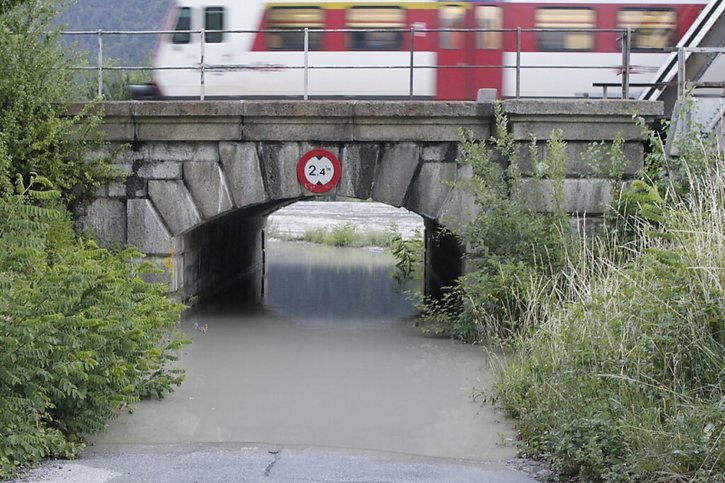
pixel 200 178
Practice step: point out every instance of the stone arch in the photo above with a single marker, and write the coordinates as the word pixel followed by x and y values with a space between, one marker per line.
pixel 195 164
pixel 198 216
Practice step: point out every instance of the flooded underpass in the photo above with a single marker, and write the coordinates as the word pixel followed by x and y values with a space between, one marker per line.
pixel 332 359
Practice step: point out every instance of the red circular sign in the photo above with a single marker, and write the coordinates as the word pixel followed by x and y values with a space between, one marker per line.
pixel 319 170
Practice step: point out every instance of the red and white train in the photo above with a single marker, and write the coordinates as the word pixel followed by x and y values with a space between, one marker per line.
pixel 267 59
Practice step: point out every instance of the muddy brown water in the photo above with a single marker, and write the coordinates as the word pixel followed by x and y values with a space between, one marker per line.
pixel 331 359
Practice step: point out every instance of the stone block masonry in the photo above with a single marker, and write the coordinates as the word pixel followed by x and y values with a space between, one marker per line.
pixel 199 178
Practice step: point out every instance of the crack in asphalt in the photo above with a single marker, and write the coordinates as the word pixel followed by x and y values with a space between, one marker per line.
pixel 268 470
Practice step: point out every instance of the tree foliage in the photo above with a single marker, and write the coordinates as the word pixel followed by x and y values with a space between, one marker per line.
pixel 36 86
pixel 82 334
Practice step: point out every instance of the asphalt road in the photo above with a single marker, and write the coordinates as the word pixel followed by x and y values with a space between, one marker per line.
pixel 260 463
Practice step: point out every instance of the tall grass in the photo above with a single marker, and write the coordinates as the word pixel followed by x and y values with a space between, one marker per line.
pixel 345 235
pixel 622 375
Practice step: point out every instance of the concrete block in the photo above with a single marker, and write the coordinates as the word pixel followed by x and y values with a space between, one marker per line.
pixel 578 107
pixel 300 109
pixel 486 95
pixel 458 206
pixel 184 120
pixel 243 173
pixel 439 153
pixel 161 170
pixel 116 189
pixel 279 168
pixel 298 129
pixel 579 161
pixel 185 128
pixel 430 188
pixel 175 204
pixel 122 169
pixel 203 109
pixel 181 151
pixel 590 196
pixel 146 229
pixel 208 187
pixel 411 129
pixel 106 218
pixel 359 162
pixel 573 129
pixel 136 187
pixel 112 151
pixel 398 165
pixel 172 272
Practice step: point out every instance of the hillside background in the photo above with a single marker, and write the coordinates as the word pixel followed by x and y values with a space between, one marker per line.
pixel 128 50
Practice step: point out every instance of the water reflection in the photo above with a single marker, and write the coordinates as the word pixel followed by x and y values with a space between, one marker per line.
pixel 334 286
pixel 329 363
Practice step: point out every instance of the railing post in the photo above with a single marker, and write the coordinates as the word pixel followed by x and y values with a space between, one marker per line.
pixel 626 53
pixel 681 72
pixel 412 57
pixel 518 62
pixel 100 64
pixel 201 65
pixel 307 62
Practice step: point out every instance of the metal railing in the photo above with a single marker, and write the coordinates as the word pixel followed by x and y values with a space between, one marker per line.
pixel 624 38
pixel 682 83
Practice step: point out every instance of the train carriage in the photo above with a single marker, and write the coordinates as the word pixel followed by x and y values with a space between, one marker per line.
pixel 365 49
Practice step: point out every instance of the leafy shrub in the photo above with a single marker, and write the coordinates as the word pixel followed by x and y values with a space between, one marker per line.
pixel 82 334
pixel 36 135
pixel 625 381
pixel 514 248
pixel 345 235
pixel 408 254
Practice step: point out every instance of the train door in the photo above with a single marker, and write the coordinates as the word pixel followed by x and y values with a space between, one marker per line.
pixel 484 49
pixel 218 49
pixel 451 75
pixel 469 60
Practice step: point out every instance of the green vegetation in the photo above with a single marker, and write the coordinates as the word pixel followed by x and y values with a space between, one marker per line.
pixel 345 235
pixel 82 334
pixel 35 88
pixel 518 252
pixel 615 367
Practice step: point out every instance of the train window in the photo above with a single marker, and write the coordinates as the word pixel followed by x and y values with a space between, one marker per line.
pixel 488 18
pixel 290 21
pixel 214 20
pixel 565 18
pixel 183 22
pixel 451 17
pixel 654 28
pixel 383 20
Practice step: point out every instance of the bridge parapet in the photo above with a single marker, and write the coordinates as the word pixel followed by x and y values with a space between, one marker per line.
pixel 196 164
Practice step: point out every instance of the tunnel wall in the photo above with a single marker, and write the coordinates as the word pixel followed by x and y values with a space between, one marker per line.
pixel 444 261
pixel 226 253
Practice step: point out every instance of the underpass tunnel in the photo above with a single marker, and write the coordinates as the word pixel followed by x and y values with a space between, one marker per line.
pixel 227 256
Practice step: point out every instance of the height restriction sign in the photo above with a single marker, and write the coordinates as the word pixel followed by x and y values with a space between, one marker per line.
pixel 318 170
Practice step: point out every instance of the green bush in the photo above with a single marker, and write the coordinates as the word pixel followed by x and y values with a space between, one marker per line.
pixel 83 335
pixel 36 86
pixel 346 235
pixel 622 378
pixel 514 249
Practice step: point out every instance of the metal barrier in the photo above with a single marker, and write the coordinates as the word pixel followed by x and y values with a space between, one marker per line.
pixel 625 39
